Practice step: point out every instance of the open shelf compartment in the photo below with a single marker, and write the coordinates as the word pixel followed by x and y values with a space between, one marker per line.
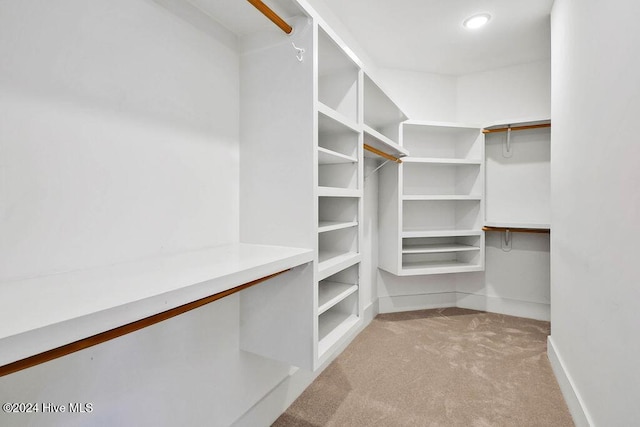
pixel 380 113
pixel 337 287
pixel 337 250
pixel 336 322
pixel 429 245
pixel 441 179
pixel 337 78
pixel 337 136
pixel 336 213
pixel 441 262
pixel 443 141
pixel 441 215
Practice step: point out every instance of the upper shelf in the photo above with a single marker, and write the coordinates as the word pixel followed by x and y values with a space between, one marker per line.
pixel 380 142
pixel 42 313
pixel 442 161
pixel 340 120
pixel 338 77
pixel 519 124
pixel 380 112
pixel 454 142
pixel 541 226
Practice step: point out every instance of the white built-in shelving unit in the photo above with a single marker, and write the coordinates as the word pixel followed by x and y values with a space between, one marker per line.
pixel 304 179
pixel 433 203
pixel 339 193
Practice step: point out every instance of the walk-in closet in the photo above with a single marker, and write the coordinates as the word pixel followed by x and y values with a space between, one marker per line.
pixel 318 212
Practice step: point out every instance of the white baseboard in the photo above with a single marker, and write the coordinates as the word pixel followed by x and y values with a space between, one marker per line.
pixel 530 310
pixel 394 304
pixel 571 396
pixel 274 403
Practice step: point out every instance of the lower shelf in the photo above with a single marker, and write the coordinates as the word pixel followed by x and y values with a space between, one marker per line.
pixel 332 326
pixel 437 248
pixel 331 293
pixel 332 262
pixel 438 267
pixel 457 260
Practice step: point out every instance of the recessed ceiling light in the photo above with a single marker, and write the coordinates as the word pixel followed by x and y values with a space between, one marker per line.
pixel 476 21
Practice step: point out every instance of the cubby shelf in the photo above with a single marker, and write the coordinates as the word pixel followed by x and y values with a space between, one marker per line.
pixel 333 262
pixel 325 226
pixel 338 192
pixel 330 157
pixel 331 293
pixel 442 161
pixel 428 197
pixel 440 233
pixel 337 117
pixel 437 248
pixel 332 326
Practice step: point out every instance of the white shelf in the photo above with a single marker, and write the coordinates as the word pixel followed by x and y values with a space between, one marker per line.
pixel 438 267
pixel 336 116
pixel 377 140
pixel 442 161
pixel 437 248
pixel 414 197
pixel 43 313
pixel 329 157
pixel 331 327
pixel 520 121
pixel 331 293
pixel 518 225
pixel 338 192
pixel 332 262
pixel 435 124
pixel 325 226
pixel 441 233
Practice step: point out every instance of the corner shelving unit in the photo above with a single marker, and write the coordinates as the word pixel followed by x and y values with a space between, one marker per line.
pixel 434 202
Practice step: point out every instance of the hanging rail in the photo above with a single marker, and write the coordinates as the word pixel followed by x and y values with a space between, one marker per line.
pixel 526 127
pixel 518 230
pixel 266 11
pixel 382 153
pixel 123 330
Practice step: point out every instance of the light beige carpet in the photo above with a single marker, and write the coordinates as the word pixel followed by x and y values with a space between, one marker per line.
pixel 444 367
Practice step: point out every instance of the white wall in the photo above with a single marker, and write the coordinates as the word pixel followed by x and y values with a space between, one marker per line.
pixel 596 206
pixel 117 122
pixel 108 138
pixel 514 92
pixel 422 96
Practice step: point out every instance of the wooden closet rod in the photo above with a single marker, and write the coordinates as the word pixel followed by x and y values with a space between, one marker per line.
pixel 518 230
pixel 266 11
pixel 382 153
pixel 123 330
pixel 542 125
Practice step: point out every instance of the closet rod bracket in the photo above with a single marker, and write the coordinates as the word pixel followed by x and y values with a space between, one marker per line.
pixel 506 243
pixel 506 148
